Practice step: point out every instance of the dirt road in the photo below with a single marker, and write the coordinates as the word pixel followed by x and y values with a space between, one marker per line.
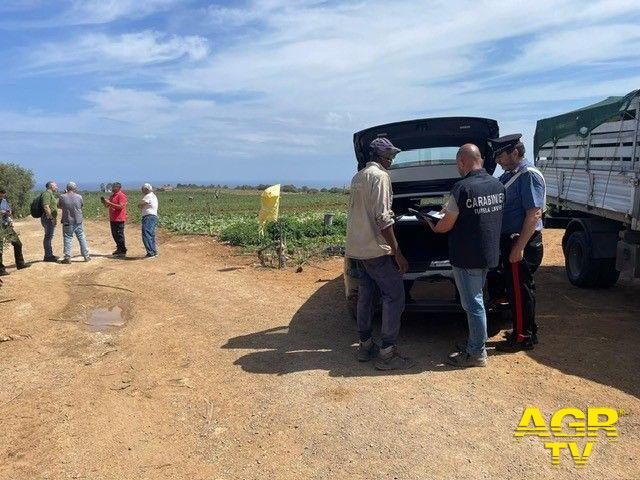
pixel 226 371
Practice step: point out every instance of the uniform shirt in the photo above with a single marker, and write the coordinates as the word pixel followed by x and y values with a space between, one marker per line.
pixel 118 215
pixel 528 191
pixel 369 213
pixel 474 240
pixel 5 206
pixel 151 207
pixel 49 198
pixel 71 204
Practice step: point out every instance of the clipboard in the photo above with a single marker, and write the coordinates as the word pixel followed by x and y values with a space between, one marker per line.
pixel 432 215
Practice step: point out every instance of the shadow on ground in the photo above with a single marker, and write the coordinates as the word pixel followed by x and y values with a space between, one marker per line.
pixel 322 336
pixel 593 334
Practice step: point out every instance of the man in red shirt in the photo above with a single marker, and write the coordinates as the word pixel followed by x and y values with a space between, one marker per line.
pixel 117 205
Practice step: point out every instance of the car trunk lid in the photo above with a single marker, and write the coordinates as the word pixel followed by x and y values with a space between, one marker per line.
pixel 426 166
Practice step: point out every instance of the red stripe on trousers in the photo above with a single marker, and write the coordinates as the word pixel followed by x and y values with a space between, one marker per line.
pixel 515 271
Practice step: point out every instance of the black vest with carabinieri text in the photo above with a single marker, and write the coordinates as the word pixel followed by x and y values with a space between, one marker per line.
pixel 474 241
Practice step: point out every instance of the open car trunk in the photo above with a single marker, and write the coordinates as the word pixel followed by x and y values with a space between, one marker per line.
pixel 423 173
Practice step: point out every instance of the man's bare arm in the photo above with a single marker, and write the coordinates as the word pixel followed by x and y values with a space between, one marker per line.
pixel 445 224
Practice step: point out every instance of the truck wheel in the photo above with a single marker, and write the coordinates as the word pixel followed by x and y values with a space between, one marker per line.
pixel 582 270
pixel 608 275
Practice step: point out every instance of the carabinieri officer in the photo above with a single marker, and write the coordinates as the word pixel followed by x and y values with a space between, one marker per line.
pixel 521 239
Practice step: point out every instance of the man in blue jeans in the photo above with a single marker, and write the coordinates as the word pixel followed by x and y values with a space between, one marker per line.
pixel 473 219
pixel 371 241
pixel 149 210
pixel 71 204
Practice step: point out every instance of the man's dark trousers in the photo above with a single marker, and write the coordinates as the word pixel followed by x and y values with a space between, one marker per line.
pixel 520 277
pixel 17 246
pixel 117 232
pixel 380 275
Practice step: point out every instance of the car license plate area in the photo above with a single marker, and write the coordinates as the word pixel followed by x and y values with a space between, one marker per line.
pixel 433 289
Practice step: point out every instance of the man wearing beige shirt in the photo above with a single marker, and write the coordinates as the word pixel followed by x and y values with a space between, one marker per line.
pixel 371 241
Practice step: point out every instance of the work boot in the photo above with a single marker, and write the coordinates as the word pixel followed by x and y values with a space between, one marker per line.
pixel 22 266
pixel 464 360
pixel 51 259
pixel 3 272
pixel 87 258
pixel 390 359
pixel 66 261
pixel 509 346
pixel 367 350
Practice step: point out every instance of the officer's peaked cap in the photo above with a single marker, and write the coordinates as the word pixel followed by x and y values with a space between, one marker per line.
pixel 506 143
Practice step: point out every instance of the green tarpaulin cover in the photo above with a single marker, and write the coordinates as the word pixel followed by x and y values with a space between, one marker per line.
pixel 579 122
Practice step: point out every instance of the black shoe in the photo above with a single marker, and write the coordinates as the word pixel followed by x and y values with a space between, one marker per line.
pixel 66 261
pixel 52 259
pixel 509 333
pixel 508 346
pixel 119 254
pixel 3 272
pixel 23 266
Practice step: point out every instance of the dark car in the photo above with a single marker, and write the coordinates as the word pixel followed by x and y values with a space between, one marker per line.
pixel 422 175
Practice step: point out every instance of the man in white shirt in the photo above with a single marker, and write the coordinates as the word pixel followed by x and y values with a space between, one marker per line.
pixel 371 241
pixel 149 207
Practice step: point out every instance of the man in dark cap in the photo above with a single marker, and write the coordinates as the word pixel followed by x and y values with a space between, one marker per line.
pixel 521 247
pixel 371 241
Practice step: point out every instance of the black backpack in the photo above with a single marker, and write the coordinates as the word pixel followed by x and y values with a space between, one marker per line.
pixel 36 207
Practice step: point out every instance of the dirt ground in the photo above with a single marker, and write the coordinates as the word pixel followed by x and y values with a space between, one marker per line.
pixel 227 371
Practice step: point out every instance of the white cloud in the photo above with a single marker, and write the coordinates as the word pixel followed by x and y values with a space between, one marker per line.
pixel 100 52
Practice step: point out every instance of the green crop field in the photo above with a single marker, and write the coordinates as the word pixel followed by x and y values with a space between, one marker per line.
pixel 232 217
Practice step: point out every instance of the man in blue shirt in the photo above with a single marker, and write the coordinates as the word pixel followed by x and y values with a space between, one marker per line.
pixel 521 247
pixel 9 234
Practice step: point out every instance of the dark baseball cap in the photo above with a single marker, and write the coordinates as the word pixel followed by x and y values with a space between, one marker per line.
pixel 382 147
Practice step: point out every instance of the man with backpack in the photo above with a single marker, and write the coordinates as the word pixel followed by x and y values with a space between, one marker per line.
pixel 49 213
pixel 9 234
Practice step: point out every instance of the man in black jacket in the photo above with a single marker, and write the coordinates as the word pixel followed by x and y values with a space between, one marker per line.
pixel 473 218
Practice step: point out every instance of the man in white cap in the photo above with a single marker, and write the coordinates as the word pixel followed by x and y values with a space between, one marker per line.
pixel 371 241
pixel 149 207
pixel 71 204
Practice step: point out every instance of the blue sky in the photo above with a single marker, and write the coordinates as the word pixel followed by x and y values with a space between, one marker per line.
pixel 272 91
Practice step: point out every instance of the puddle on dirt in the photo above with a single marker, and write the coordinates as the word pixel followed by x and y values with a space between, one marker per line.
pixel 102 319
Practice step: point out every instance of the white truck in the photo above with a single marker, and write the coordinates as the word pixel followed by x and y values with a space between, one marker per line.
pixel 590 160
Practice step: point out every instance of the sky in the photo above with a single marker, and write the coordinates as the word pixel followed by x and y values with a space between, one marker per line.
pixel 272 91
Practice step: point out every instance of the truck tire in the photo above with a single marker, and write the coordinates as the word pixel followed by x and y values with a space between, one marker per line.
pixel 608 275
pixel 582 270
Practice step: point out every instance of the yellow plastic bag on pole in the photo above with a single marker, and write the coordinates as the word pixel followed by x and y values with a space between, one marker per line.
pixel 269 206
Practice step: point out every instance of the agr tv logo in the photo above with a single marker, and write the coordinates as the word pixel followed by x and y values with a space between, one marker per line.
pixel 569 423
